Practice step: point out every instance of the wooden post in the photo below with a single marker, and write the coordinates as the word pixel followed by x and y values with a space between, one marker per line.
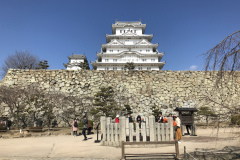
pixel 103 129
pixel 152 128
pixel 167 127
pixel 116 132
pixel 108 129
pixel 162 131
pixel 170 121
pixel 109 120
pixel 111 132
pixel 177 149
pixel 130 132
pixel 108 134
pixel 127 127
pixel 185 153
pixel 137 132
pixel 143 131
pixel 147 126
pixel 122 129
pixel 193 131
pixel 123 151
pixel 158 132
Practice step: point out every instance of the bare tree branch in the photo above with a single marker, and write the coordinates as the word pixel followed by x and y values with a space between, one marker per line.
pixel 225 56
pixel 20 60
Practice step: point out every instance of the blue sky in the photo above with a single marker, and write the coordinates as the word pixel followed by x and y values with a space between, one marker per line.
pixel 54 29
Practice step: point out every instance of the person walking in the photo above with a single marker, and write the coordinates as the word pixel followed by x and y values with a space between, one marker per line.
pixel 85 126
pixel 75 127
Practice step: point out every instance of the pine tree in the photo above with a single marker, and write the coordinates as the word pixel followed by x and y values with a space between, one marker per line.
pixel 105 103
pixel 43 65
pixel 127 110
pixel 129 66
pixel 84 65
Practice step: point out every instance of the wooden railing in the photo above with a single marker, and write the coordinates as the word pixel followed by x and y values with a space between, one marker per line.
pixel 149 130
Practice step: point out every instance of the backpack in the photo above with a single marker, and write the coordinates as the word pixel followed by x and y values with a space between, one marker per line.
pixel 75 124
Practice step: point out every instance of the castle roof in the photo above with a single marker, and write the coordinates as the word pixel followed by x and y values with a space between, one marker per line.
pixel 77 56
pixel 135 24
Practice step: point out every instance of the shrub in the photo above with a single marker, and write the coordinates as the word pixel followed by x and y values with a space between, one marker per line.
pixel 235 119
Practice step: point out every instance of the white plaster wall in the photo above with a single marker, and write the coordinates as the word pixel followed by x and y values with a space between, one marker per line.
pixel 73 68
pixel 143 50
pixel 122 68
pixel 116 50
pixel 138 30
pixel 130 58
pixel 140 50
pixel 76 60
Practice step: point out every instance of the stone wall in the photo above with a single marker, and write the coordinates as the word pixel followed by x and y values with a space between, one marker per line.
pixel 140 89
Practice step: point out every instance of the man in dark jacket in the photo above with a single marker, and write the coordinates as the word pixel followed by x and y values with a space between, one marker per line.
pixel 130 118
pixel 85 126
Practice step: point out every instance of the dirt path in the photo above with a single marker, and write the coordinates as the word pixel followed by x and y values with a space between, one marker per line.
pixel 68 147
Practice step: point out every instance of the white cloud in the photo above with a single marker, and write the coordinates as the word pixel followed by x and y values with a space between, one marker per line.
pixel 193 68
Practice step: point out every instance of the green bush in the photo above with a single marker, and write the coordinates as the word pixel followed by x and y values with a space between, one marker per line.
pixel 235 119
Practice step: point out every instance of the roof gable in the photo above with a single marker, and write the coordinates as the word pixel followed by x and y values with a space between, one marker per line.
pixel 115 42
pixel 143 42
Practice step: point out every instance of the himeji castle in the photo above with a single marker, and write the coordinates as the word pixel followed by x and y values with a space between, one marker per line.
pixel 128 43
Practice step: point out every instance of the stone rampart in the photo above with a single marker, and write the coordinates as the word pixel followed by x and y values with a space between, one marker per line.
pixel 140 89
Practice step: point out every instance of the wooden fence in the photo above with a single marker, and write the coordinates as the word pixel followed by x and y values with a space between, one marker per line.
pixel 114 133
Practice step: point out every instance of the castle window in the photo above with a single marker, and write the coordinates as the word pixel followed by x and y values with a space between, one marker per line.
pixel 152 60
pixel 148 68
pixel 147 50
pixel 106 60
pixel 114 68
pixel 111 50
pixel 139 68
pixel 120 31
pixel 114 60
pixel 144 60
pixel 106 68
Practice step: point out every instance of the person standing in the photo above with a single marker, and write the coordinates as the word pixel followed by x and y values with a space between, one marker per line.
pixel 85 126
pixel 75 127
pixel 161 118
pixel 178 131
pixel 130 118
pixel 174 127
pixel 139 120
pixel 117 119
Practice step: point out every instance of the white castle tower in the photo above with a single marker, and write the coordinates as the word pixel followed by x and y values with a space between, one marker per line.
pixel 74 62
pixel 128 43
